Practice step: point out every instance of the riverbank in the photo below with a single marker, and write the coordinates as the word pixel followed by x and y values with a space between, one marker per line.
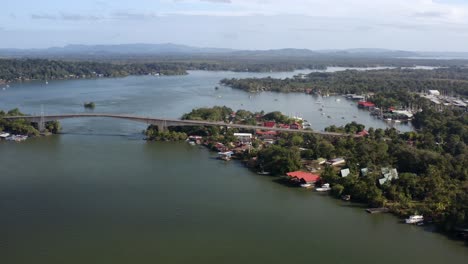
pixel 379 168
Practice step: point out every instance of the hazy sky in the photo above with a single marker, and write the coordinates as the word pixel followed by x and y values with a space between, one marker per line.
pixel 439 25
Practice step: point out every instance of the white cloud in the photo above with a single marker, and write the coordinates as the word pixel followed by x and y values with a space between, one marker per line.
pixel 423 10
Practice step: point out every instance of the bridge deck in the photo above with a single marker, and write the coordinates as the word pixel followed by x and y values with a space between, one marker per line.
pixel 173 122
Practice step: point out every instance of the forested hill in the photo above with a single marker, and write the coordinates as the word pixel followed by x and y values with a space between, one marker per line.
pixel 452 79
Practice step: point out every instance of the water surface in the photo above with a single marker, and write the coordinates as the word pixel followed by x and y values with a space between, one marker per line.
pixel 98 193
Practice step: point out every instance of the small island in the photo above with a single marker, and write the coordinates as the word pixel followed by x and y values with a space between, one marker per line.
pixel 20 129
pixel 89 105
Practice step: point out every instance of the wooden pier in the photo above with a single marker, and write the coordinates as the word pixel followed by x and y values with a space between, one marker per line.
pixel 377 210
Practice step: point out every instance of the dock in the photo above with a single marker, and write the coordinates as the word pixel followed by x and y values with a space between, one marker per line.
pixel 377 210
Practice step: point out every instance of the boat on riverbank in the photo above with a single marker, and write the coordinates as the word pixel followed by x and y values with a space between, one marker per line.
pixel 16 138
pixel 414 219
pixel 4 135
pixel 324 188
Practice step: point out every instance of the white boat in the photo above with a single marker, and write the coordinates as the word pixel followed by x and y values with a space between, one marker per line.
pixel 325 188
pixel 338 100
pixel 4 135
pixel 306 125
pixel 192 143
pixel 414 219
pixel 397 121
pixel 263 173
pixel 306 185
pixel 17 138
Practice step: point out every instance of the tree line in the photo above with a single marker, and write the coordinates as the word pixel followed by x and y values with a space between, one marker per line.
pixel 452 80
pixel 41 69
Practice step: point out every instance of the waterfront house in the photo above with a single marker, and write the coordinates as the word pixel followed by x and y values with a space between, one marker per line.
pixel 303 177
pixel 336 162
pixel 365 104
pixel 244 137
pixel 269 124
pixel 295 126
pixel 402 114
pixel 358 97
pixel 345 172
pixel 388 174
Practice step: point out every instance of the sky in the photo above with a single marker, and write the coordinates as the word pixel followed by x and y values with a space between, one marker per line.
pixel 417 25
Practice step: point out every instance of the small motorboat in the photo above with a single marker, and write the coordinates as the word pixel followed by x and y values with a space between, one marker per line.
pixel 414 219
pixel 325 188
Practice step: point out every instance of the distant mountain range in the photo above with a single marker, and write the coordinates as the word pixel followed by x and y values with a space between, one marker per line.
pixel 169 49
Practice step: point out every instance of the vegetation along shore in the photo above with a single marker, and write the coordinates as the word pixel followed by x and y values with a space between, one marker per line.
pixel 430 164
pixel 23 127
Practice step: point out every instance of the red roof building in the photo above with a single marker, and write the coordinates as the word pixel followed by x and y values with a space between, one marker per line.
pixel 365 104
pixel 363 133
pixel 269 124
pixel 303 176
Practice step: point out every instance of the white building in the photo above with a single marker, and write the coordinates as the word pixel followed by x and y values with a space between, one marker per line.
pixel 388 175
pixel 434 92
pixel 244 137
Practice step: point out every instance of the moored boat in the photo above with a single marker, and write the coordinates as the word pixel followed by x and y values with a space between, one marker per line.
pixel 346 197
pixel 4 135
pixel 414 219
pixel 325 188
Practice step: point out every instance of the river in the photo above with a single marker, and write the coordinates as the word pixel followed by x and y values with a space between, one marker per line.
pixel 99 194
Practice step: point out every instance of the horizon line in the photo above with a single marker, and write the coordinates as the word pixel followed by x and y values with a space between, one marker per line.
pixel 232 49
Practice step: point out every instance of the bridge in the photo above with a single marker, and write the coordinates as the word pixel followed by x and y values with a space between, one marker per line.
pixel 163 123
